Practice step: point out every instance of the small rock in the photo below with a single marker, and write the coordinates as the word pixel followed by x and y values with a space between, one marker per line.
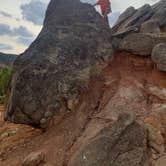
pixel 43 123
pixel 71 103
pixel 159 56
pixel 48 114
pixel 54 107
pixel 34 159
pixel 159 149
pixel 4 135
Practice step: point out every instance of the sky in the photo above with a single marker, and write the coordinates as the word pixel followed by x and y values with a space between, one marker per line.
pixel 21 20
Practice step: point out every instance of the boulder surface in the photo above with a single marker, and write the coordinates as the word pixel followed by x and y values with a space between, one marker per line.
pixel 139 30
pixel 73 40
pixel 123 144
pixel 159 56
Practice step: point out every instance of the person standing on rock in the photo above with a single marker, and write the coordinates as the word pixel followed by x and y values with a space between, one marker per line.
pixel 105 6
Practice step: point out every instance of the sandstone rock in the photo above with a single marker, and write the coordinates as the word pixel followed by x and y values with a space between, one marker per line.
pixel 160 12
pixel 73 39
pixel 137 17
pixel 34 159
pixel 159 56
pixel 151 26
pixel 141 43
pixel 125 15
pixel 123 144
pixel 155 123
pixel 132 18
pixel 138 31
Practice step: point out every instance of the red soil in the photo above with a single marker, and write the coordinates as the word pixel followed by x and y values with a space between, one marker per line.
pixel 123 86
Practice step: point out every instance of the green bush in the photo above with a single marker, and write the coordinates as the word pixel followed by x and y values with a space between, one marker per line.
pixel 5 77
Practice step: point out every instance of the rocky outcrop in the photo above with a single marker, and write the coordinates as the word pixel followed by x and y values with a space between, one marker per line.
pixel 140 30
pixel 132 19
pixel 159 56
pixel 123 144
pixel 73 41
pixel 129 83
pixel 101 111
pixel 141 43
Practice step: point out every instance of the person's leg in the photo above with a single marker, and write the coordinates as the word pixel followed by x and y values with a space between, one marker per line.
pixel 106 19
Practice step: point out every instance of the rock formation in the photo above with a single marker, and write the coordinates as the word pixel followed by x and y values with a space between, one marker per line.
pixel 97 107
pixel 123 144
pixel 74 40
pixel 140 30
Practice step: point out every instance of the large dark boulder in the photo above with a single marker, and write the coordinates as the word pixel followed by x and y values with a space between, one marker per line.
pixel 73 40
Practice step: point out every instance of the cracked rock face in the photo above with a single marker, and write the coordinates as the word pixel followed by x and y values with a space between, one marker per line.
pixel 74 38
pixel 123 144
pixel 139 30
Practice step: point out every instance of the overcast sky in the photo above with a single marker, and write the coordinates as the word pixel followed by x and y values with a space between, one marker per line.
pixel 21 20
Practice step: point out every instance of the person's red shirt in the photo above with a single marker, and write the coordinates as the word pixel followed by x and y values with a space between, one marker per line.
pixel 105 6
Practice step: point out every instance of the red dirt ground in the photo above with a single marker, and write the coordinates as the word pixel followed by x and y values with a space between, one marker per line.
pixel 125 85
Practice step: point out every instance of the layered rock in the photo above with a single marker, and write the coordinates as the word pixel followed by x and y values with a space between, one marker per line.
pixel 141 43
pixel 123 144
pixel 140 30
pixel 74 40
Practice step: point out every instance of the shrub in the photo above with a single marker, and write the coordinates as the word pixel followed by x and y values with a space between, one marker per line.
pixel 5 77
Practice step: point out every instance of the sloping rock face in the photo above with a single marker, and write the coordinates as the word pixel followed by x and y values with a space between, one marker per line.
pixel 73 41
pixel 139 31
pixel 123 144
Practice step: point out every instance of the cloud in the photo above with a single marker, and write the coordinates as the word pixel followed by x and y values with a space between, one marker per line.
pixel 22 31
pixel 5 29
pixel 5 47
pixel 34 11
pixel 25 41
pixel 19 31
pixel 5 14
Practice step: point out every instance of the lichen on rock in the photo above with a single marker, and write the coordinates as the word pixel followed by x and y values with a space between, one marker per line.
pixel 74 38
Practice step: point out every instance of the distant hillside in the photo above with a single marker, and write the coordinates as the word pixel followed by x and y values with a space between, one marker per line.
pixel 6 59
